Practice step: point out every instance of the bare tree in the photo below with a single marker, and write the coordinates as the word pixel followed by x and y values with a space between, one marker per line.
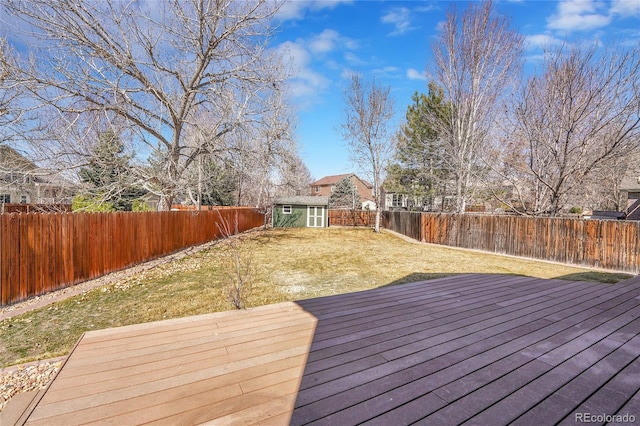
pixel 476 58
pixel 158 66
pixel 10 90
pixel 238 270
pixel 295 177
pixel 602 188
pixel 578 118
pixel 367 128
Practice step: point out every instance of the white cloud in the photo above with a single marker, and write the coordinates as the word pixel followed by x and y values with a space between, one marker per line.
pixel 400 18
pixel 579 15
pixel 414 74
pixel 388 72
pixel 305 82
pixel 535 58
pixel 296 9
pixel 324 42
pixel 625 8
pixel 541 41
pixel 354 59
pixel 329 40
pixel 315 60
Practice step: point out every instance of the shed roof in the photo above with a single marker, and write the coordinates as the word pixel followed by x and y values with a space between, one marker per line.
pixel 300 199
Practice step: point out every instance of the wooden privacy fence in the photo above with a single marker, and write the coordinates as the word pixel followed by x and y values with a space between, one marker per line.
pixel 44 252
pixel 405 223
pixel 344 217
pixel 608 244
pixel 35 208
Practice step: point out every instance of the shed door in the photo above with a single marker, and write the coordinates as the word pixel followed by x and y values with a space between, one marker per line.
pixel 315 217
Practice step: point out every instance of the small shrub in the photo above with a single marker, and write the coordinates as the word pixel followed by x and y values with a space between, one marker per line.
pixel 140 206
pixel 238 275
pixel 575 210
pixel 238 270
pixel 84 203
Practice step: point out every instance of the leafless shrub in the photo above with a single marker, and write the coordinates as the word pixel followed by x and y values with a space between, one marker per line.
pixel 237 266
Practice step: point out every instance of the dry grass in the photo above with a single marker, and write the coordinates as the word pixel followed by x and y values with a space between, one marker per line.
pixel 290 264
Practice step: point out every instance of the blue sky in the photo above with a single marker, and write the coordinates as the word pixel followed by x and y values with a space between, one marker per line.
pixel 390 41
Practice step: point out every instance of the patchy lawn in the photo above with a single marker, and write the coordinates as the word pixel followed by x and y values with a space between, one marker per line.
pixel 290 264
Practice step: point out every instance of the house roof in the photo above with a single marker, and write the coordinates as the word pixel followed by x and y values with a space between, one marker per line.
pixel 630 183
pixel 302 200
pixel 12 160
pixel 332 180
pixel 631 180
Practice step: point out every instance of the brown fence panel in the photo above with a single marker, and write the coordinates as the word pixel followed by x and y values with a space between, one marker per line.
pixel 406 223
pixel 34 208
pixel 606 244
pixel 41 252
pixel 342 217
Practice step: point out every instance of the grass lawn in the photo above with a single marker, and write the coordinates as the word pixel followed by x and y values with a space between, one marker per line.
pixel 290 264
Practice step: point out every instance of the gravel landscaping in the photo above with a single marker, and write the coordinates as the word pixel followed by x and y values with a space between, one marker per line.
pixel 26 378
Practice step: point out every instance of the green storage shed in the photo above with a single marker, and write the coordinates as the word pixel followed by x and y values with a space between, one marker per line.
pixel 301 212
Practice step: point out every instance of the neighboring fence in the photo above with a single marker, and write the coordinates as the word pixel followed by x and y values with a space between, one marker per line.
pixel 35 208
pixel 343 217
pixel 191 207
pixel 609 244
pixel 44 252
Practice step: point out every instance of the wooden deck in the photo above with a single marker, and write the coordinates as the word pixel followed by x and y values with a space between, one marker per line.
pixel 481 349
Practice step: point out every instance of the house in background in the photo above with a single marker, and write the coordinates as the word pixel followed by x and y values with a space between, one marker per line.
pixel 399 201
pixel 324 187
pixel 631 185
pixel 23 182
pixel 301 212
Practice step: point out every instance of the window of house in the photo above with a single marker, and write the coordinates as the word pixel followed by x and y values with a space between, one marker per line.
pixel 397 200
pixel 23 199
pixel 286 209
pixel 316 188
pixel 5 198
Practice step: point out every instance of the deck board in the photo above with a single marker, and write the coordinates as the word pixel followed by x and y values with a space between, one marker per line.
pixel 480 349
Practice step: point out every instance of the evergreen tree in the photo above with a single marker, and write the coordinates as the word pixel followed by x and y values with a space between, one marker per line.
pixel 219 187
pixel 108 177
pixel 420 170
pixel 345 195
